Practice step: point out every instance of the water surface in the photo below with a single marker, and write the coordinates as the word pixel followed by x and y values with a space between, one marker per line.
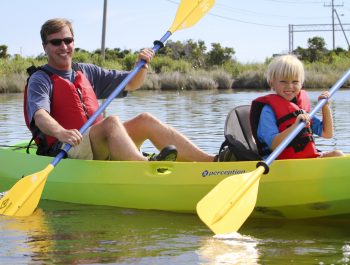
pixel 61 233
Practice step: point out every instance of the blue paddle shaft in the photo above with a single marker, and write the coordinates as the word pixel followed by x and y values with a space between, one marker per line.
pixel 115 93
pixel 301 125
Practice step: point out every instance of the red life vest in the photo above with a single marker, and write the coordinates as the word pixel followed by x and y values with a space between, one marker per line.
pixel 303 146
pixel 71 105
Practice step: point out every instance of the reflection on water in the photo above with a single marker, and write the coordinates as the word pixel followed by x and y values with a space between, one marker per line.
pixel 234 249
pixel 81 234
pixel 78 234
pixel 24 240
pixel 315 241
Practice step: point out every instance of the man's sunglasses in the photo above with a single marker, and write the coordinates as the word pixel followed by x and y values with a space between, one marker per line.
pixel 58 42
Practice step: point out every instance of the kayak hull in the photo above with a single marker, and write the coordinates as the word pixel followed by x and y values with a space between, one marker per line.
pixel 293 189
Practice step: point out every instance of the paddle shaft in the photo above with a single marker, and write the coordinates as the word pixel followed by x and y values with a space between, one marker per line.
pixel 301 125
pixel 117 90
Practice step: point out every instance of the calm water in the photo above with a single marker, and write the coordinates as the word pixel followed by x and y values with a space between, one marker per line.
pixel 60 233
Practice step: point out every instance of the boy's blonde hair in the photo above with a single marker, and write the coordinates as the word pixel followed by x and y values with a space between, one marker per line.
pixel 287 67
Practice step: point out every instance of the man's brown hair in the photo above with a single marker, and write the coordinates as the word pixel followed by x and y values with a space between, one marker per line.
pixel 53 26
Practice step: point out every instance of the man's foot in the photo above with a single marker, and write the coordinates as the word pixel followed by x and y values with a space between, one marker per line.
pixel 168 153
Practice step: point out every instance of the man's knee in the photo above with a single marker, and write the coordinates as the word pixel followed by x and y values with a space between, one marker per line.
pixel 338 153
pixel 146 118
pixel 111 122
pixel 107 125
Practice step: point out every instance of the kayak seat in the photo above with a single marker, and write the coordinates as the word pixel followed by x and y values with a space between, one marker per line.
pixel 243 133
pixel 238 133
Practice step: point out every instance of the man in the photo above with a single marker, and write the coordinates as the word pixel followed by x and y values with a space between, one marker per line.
pixel 61 96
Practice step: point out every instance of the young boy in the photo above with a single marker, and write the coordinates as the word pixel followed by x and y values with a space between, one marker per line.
pixel 274 116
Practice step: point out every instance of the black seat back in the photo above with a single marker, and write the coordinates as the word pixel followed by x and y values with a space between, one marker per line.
pixel 238 126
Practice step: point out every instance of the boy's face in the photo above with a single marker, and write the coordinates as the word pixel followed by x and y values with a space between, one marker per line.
pixel 286 88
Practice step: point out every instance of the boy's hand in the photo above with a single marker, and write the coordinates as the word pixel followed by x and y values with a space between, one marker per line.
pixel 324 95
pixel 304 117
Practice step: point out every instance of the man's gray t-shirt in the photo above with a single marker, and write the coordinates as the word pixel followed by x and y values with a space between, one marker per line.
pixel 40 86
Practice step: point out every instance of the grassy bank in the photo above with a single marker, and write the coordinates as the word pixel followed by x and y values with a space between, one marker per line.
pixel 167 74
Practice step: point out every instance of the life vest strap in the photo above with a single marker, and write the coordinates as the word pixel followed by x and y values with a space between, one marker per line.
pixel 294 114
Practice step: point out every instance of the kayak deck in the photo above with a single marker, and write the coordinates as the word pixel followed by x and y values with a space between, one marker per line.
pixel 293 189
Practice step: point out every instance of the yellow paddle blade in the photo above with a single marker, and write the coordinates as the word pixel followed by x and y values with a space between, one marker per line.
pixel 225 208
pixel 23 198
pixel 190 12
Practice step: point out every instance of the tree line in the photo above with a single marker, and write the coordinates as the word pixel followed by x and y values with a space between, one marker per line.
pixel 197 53
pixel 191 65
pixel 317 51
pixel 191 51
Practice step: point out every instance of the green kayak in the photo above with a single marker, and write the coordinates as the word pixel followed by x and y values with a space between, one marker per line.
pixel 299 188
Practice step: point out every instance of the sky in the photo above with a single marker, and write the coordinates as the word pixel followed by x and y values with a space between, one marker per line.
pixel 255 29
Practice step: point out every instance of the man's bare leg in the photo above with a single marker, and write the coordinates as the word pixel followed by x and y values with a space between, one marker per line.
pixel 109 139
pixel 145 126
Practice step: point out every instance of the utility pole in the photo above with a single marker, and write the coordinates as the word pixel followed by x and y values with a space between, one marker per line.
pixel 316 28
pixel 291 38
pixel 333 26
pixel 341 25
pixel 103 41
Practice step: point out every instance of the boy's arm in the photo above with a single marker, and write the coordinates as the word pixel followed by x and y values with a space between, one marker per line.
pixel 280 137
pixel 327 120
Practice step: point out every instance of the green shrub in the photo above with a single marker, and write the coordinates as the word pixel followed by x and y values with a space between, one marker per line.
pixel 164 64
pixel 159 62
pixel 82 57
pixel 129 61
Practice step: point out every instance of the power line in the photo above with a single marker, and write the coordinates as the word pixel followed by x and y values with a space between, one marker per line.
pixel 292 28
pixel 233 9
pixel 226 7
pixel 295 2
pixel 245 22
pixel 238 20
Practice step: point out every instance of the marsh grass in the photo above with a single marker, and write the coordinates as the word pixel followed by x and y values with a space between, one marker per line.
pixel 251 79
pixel 200 81
pixel 192 80
pixel 13 83
pixel 172 81
pixel 324 75
pixel 222 79
pixel 167 74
